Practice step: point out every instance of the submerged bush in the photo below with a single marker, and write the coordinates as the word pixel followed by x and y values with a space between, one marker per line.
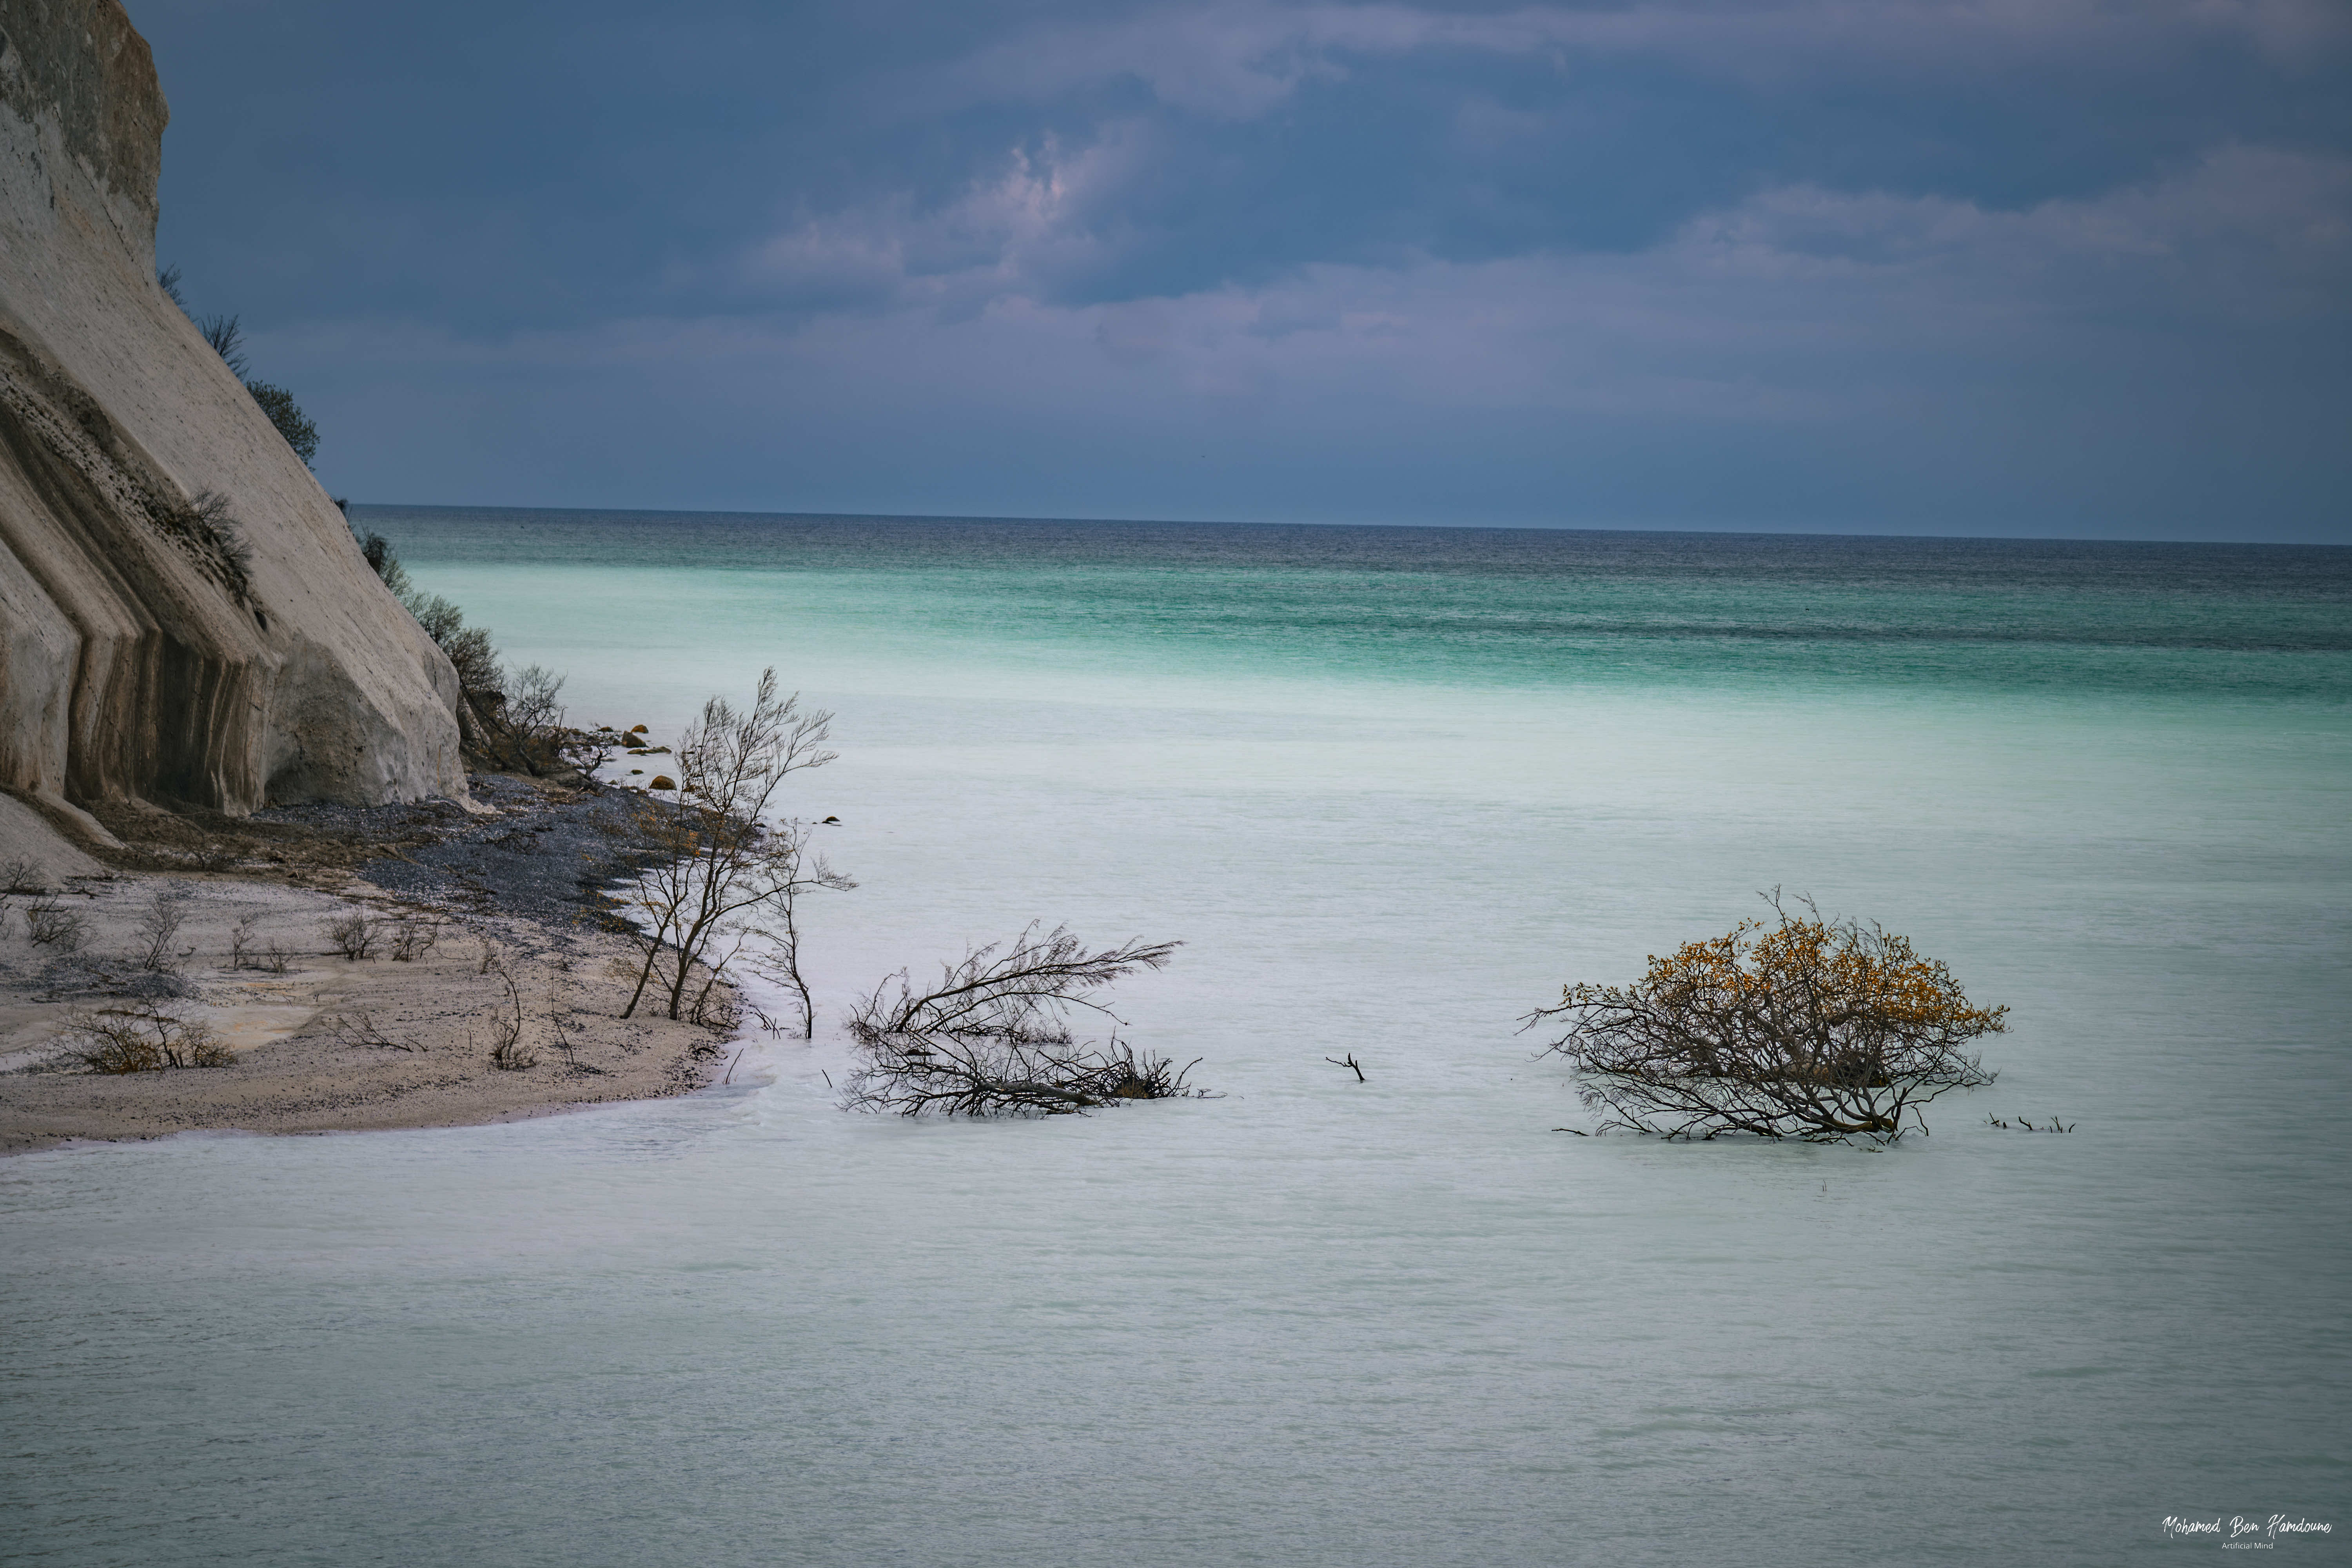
pixel 1804 1030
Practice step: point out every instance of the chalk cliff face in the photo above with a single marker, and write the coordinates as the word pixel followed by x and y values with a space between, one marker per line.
pixel 183 616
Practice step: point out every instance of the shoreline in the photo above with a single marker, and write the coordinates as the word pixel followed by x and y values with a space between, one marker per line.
pixel 507 933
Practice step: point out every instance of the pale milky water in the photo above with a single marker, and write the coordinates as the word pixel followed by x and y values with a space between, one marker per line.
pixel 1391 788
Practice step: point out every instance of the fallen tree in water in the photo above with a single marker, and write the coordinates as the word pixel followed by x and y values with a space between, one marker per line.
pixel 992 1037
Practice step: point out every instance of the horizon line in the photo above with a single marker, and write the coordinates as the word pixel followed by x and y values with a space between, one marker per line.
pixel 1727 531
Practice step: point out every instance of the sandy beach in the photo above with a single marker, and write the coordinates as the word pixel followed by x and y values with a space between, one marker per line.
pixel 478 919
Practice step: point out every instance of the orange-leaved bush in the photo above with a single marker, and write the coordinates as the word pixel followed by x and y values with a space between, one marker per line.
pixel 1807 1028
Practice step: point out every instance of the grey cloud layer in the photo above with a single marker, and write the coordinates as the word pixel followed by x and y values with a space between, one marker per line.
pixel 2054 265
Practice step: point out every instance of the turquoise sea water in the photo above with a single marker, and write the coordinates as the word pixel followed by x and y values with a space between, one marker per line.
pixel 1391 787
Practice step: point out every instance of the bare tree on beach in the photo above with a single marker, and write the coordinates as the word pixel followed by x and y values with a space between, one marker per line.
pixel 778 958
pixel 719 870
pixel 993 1038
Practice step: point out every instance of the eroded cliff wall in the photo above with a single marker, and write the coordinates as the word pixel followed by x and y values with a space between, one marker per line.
pixel 183 616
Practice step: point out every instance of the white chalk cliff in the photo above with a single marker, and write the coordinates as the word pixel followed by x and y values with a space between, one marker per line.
pixel 184 619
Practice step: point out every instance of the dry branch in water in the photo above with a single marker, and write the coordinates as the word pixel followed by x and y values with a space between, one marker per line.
pixel 2053 1125
pixel 992 1037
pixel 1806 1029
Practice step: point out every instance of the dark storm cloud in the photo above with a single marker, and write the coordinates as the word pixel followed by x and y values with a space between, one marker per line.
pixel 1984 265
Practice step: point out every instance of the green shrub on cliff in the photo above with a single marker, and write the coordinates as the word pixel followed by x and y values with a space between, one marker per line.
pixel 292 424
pixel 377 549
pixel 468 648
pixel 514 719
pixel 228 340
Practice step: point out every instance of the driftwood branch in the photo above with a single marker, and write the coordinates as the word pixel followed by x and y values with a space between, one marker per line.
pixel 358 1028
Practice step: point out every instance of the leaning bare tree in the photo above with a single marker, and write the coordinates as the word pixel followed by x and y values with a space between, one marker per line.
pixel 992 1037
pixel 720 867
pixel 796 870
pixel 1812 1029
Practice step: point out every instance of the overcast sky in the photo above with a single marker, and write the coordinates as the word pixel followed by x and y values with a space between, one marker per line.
pixel 2050 267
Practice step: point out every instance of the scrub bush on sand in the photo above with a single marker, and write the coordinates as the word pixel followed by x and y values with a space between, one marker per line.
pixel 51 924
pixel 142 1039
pixel 993 1038
pixel 1805 1029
